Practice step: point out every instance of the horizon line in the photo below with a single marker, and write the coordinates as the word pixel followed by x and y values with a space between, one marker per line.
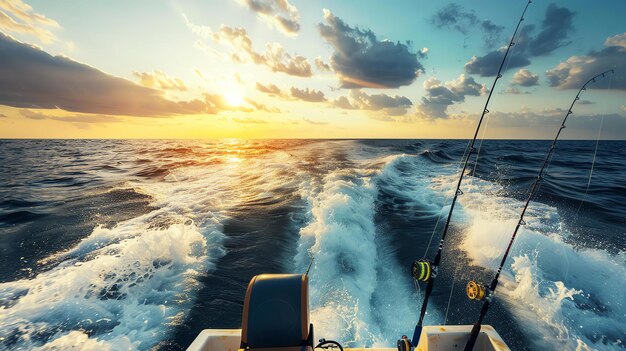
pixel 520 139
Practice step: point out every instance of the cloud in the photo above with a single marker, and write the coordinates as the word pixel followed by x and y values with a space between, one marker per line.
pixel 159 80
pixel 238 78
pixel 546 123
pixel 199 73
pixel 486 66
pixel 37 79
pixel 278 61
pixel 307 95
pixel 361 60
pixel 466 85
pixel 527 123
pixel 556 25
pixel 70 119
pixel 439 96
pixel 275 58
pixel 318 123
pixel 585 102
pixel 268 89
pixel 261 107
pixel 354 100
pixel 278 13
pixel 616 40
pixel 358 100
pixel 555 28
pixel 344 103
pixel 455 17
pixel 514 91
pixel 217 103
pixel 576 70
pixel 321 65
pixel 249 120
pixel 18 17
pixel 525 78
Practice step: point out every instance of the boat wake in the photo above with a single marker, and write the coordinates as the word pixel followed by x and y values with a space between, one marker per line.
pixel 356 293
pixel 566 297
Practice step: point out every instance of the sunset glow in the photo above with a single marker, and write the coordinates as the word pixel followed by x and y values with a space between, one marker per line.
pixel 340 156
pixel 301 69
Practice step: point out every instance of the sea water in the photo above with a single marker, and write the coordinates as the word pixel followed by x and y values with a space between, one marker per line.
pixel 140 244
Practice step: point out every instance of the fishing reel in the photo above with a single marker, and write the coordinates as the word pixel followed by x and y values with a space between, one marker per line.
pixel 476 291
pixel 423 270
pixel 404 344
pixel 328 344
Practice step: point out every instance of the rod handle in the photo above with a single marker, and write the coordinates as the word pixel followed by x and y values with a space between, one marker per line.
pixel 416 335
pixel 473 337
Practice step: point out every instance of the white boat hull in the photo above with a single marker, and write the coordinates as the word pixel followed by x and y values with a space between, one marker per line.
pixel 433 338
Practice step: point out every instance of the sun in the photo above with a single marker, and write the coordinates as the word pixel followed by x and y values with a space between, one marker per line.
pixel 234 97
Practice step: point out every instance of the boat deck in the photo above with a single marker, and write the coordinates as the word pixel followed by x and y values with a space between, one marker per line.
pixel 433 338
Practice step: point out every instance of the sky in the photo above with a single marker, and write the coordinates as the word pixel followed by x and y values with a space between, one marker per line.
pixel 309 69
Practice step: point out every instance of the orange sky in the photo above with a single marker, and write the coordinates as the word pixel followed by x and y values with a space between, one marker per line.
pixel 303 70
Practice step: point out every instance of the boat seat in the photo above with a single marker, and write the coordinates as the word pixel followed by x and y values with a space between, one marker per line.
pixel 276 314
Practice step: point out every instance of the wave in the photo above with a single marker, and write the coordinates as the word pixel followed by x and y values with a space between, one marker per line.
pixel 61 182
pixel 153 172
pixel 356 295
pixel 364 209
pixel 406 180
pixel 127 286
pixel 107 168
pixel 120 293
pixel 17 217
pixel 567 297
pixel 437 156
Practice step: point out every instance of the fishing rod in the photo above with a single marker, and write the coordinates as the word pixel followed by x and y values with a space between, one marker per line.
pixel 309 267
pixel 476 291
pixel 425 270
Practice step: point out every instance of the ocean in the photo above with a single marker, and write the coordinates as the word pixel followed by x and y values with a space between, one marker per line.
pixel 140 244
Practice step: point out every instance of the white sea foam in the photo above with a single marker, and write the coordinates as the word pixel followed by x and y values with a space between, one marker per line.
pixel 356 295
pixel 121 293
pixel 567 297
pixel 78 340
pixel 342 238
pixel 124 287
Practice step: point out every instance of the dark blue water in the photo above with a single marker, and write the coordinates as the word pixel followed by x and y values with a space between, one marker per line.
pixel 114 244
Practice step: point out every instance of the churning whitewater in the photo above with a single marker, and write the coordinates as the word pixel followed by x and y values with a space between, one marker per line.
pixel 117 245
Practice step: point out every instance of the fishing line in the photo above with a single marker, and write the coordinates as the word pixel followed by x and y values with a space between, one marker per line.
pixel 595 152
pixel 482 138
pixel 593 162
pixel 445 201
pixel 473 172
pixel 417 286
pixel 425 270
pixel 476 291
pixel 456 270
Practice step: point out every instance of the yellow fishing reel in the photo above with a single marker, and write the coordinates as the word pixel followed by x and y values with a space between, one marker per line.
pixel 423 270
pixel 404 344
pixel 475 291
